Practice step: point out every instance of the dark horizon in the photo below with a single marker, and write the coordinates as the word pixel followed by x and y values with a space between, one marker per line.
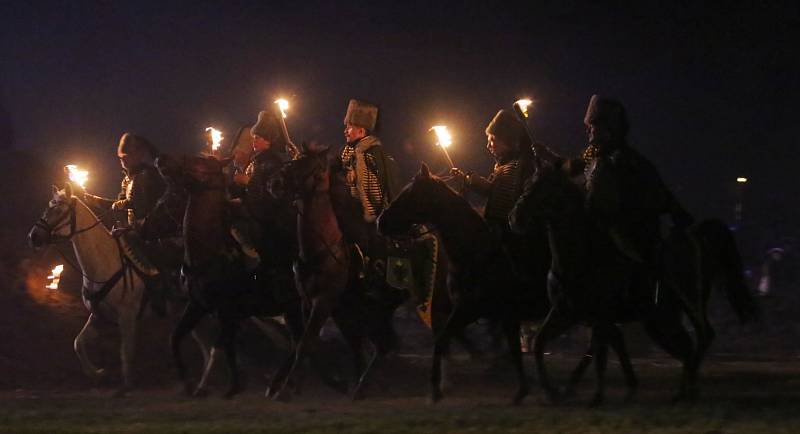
pixel 709 91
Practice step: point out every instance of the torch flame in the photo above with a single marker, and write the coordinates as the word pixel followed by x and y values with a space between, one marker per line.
pixel 442 135
pixel 55 277
pixel 283 105
pixel 741 180
pixel 216 138
pixel 523 105
pixel 77 175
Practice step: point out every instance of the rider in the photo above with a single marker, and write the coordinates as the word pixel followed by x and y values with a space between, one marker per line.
pixel 369 175
pixel 274 219
pixel 142 188
pixel 508 143
pixel 624 192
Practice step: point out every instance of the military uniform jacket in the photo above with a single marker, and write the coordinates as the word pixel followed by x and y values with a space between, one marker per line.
pixel 367 168
pixel 502 189
pixel 261 169
pixel 140 190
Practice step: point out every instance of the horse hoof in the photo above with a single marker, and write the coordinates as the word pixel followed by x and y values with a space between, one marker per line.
pixel 200 392
pixel 436 396
pixel 357 394
pixel 597 401
pixel 122 392
pixel 519 397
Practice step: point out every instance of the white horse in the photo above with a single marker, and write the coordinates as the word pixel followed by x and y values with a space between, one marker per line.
pixel 112 289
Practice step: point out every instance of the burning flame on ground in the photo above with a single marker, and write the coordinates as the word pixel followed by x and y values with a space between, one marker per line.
pixel 523 105
pixel 283 105
pixel 216 138
pixel 55 277
pixel 77 175
pixel 442 135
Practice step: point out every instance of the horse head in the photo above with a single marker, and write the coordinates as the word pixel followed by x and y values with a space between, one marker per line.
pixel 416 204
pixel 548 195
pixel 303 176
pixel 193 172
pixel 58 220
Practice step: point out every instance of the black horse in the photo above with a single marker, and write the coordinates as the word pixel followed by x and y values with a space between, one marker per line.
pixel 590 283
pixel 215 274
pixel 481 280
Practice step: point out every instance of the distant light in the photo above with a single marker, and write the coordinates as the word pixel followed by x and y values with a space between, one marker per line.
pixel 741 180
pixel 55 277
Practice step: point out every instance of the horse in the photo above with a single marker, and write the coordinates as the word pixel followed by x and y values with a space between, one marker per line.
pixel 481 279
pixel 588 284
pixel 113 289
pixel 214 272
pixel 328 273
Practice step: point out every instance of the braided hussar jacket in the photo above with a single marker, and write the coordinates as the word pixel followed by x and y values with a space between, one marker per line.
pixel 503 187
pixel 364 163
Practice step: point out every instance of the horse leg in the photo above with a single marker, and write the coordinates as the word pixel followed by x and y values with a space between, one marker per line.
pixel 319 313
pixel 351 331
pixel 553 326
pixel 511 329
pixel 600 352
pixel 227 341
pixel 127 350
pixel 673 338
pixel 617 342
pixel 455 324
pixel 209 362
pixel 577 373
pixel 89 331
pixel 192 314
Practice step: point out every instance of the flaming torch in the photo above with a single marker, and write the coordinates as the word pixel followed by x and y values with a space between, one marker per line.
pixel 523 106
pixel 444 140
pixel 76 175
pixel 283 106
pixel 215 139
pixel 54 277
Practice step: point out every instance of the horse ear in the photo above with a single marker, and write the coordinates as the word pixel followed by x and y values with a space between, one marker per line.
pixel 424 171
pixel 55 189
pixel 68 189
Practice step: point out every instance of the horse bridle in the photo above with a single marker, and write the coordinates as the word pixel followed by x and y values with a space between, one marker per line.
pixel 69 218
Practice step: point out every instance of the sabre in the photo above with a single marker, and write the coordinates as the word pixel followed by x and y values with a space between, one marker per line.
pixel 444 140
pixel 291 148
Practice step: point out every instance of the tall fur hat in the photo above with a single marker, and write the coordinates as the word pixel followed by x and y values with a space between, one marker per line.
pixel 129 141
pixel 361 114
pixel 506 126
pixel 609 112
pixel 268 126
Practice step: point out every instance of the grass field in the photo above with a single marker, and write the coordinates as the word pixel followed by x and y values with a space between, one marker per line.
pixel 737 397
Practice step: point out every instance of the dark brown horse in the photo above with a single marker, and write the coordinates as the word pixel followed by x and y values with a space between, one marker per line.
pixel 214 273
pixel 328 273
pixel 481 278
pixel 590 284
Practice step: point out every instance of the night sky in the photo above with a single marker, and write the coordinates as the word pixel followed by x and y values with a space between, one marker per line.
pixel 712 93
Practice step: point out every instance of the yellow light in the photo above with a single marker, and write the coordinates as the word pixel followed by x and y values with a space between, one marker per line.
pixel 283 105
pixel 216 138
pixel 443 136
pixel 77 175
pixel 523 105
pixel 741 180
pixel 55 277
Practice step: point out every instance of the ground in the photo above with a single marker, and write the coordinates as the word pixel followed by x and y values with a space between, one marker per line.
pixel 737 397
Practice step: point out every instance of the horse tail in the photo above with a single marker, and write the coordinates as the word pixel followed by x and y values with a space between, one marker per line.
pixel 726 267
